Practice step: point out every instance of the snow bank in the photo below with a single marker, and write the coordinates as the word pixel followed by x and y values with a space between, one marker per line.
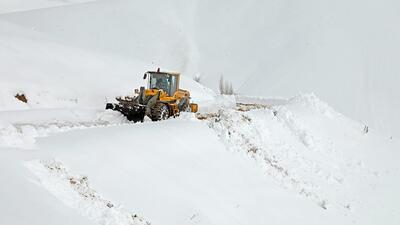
pixel 217 103
pixel 26 202
pixel 311 150
pixel 196 181
pixel 311 162
pixel 311 101
pixel 75 191
pixel 22 128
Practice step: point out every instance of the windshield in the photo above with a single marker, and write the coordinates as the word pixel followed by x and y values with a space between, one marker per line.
pixel 165 82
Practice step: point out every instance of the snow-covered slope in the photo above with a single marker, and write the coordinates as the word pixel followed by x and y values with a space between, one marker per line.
pixel 296 162
pixel 9 6
pixel 25 202
pixel 323 156
pixel 180 179
pixel 343 51
pixel 53 75
pixel 65 160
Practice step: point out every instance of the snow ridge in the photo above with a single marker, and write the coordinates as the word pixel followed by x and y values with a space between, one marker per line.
pixel 283 139
pixel 311 101
pixel 237 131
pixel 76 192
pixel 24 135
pixel 289 119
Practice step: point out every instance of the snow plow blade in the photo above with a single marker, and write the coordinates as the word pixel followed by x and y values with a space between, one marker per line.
pixel 132 110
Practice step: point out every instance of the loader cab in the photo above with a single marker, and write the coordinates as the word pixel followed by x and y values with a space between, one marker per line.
pixel 168 82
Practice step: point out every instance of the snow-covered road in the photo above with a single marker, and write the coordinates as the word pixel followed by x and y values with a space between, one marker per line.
pixel 296 163
pixel 65 160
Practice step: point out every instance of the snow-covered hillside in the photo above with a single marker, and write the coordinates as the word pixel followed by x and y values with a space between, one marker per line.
pixel 8 6
pixel 297 162
pixel 344 51
pixel 244 160
pixel 53 75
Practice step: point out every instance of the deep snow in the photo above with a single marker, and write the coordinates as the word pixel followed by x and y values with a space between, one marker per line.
pixel 344 51
pixel 8 6
pixel 299 162
pixel 65 160
pixel 310 149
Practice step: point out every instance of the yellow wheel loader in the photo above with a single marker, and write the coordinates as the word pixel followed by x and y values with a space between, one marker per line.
pixel 161 100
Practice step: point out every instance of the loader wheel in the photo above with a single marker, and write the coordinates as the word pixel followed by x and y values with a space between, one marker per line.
pixel 159 112
pixel 186 107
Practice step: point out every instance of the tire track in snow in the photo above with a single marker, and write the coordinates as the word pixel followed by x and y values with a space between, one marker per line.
pixel 24 135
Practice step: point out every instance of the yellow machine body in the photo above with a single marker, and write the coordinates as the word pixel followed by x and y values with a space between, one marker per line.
pixel 160 100
pixel 172 96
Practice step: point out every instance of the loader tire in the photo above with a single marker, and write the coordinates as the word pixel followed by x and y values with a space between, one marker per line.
pixel 183 104
pixel 160 112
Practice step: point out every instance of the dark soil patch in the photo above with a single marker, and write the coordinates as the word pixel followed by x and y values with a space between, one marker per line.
pixel 21 97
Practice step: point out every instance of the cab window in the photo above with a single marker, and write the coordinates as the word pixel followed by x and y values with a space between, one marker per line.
pixel 164 82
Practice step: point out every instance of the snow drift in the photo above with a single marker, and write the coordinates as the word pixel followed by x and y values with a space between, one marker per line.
pixel 343 51
pixel 293 162
pixel 310 149
pixel 280 161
